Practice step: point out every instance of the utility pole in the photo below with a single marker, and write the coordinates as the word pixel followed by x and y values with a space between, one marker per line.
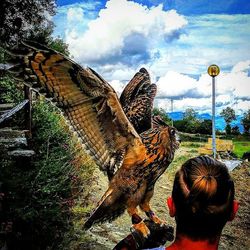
pixel 172 110
pixel 213 71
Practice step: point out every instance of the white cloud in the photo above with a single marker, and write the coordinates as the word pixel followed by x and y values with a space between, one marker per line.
pixel 174 84
pixel 232 88
pixel 235 82
pixel 75 15
pixel 66 22
pixel 118 86
pixel 124 36
pixel 118 72
pixel 208 39
pixel 120 20
pixel 241 66
pixel 182 104
pixel 242 106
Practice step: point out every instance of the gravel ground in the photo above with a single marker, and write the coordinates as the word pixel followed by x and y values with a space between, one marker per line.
pixel 235 235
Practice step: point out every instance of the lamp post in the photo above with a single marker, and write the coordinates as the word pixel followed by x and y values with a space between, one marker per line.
pixel 172 110
pixel 213 70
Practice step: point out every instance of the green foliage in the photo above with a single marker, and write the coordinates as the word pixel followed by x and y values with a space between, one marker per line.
pixel 189 115
pixel 62 177
pixel 205 127
pixel 2 55
pixel 190 124
pixel 9 92
pixel 47 194
pixel 181 125
pixel 235 130
pixel 228 114
pixel 25 19
pixel 163 115
pixel 228 129
pixel 59 45
pixel 246 121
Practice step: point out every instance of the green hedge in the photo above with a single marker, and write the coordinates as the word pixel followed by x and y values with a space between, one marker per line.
pixel 46 200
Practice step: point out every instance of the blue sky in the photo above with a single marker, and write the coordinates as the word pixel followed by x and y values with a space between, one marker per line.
pixel 176 40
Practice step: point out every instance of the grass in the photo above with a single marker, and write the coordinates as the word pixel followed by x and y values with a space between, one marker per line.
pixel 241 146
pixel 48 197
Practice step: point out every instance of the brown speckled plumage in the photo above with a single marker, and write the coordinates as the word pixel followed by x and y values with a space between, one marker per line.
pixel 108 128
pixel 137 100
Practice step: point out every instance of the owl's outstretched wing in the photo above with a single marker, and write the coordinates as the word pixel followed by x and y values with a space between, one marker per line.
pixel 137 100
pixel 88 102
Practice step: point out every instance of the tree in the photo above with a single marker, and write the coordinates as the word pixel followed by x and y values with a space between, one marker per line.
pixel 228 129
pixel 35 25
pixel 25 20
pixel 192 123
pixel 246 121
pixel 59 45
pixel 229 115
pixel 189 114
pixel 181 125
pixel 205 127
pixel 235 130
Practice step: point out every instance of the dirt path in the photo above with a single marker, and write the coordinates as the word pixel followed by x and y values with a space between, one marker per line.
pixel 235 235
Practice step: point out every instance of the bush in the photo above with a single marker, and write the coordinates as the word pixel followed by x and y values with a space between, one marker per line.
pixel 9 93
pixel 42 198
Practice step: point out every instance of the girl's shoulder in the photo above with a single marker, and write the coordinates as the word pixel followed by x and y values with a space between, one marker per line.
pixel 157 248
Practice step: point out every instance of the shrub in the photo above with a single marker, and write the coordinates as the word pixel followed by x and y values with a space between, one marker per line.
pixel 42 198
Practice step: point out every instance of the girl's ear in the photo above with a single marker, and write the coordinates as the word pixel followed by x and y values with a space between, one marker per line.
pixel 171 206
pixel 235 209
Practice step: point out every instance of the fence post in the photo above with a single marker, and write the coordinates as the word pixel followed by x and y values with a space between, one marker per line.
pixel 28 108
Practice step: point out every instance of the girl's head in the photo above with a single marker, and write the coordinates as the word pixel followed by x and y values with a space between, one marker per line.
pixel 202 198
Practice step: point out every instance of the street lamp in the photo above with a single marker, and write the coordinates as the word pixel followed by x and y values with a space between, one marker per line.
pixel 213 70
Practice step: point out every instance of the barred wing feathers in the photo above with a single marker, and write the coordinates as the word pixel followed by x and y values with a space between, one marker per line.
pixel 88 102
pixel 137 100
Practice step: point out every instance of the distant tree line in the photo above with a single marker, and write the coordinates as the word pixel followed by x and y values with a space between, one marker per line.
pixel 229 115
pixel 191 124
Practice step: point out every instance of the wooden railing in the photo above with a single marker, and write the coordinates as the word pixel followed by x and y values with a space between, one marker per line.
pixel 26 104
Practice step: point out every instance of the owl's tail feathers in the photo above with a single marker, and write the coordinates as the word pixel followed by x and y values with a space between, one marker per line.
pixel 108 208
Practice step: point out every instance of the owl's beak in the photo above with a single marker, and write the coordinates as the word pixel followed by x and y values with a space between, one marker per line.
pixel 178 138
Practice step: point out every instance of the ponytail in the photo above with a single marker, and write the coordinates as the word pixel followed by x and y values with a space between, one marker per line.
pixel 203 194
pixel 205 184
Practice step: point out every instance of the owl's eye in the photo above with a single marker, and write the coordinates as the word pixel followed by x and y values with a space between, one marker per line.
pixel 172 131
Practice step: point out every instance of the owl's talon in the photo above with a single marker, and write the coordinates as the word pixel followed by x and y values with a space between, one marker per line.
pixel 142 228
pixel 157 220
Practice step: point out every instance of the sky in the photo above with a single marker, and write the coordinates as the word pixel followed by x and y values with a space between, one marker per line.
pixel 175 40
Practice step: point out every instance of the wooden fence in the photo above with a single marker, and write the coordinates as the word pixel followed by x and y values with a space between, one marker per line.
pixel 26 104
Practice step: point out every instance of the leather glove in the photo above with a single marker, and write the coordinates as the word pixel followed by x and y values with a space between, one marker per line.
pixel 158 237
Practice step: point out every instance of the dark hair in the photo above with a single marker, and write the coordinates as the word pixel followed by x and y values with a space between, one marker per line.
pixel 203 194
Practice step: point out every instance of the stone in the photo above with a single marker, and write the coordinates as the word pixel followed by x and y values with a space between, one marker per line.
pixel 21 153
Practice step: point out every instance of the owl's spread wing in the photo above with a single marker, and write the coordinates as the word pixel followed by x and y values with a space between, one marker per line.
pixel 137 100
pixel 88 102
